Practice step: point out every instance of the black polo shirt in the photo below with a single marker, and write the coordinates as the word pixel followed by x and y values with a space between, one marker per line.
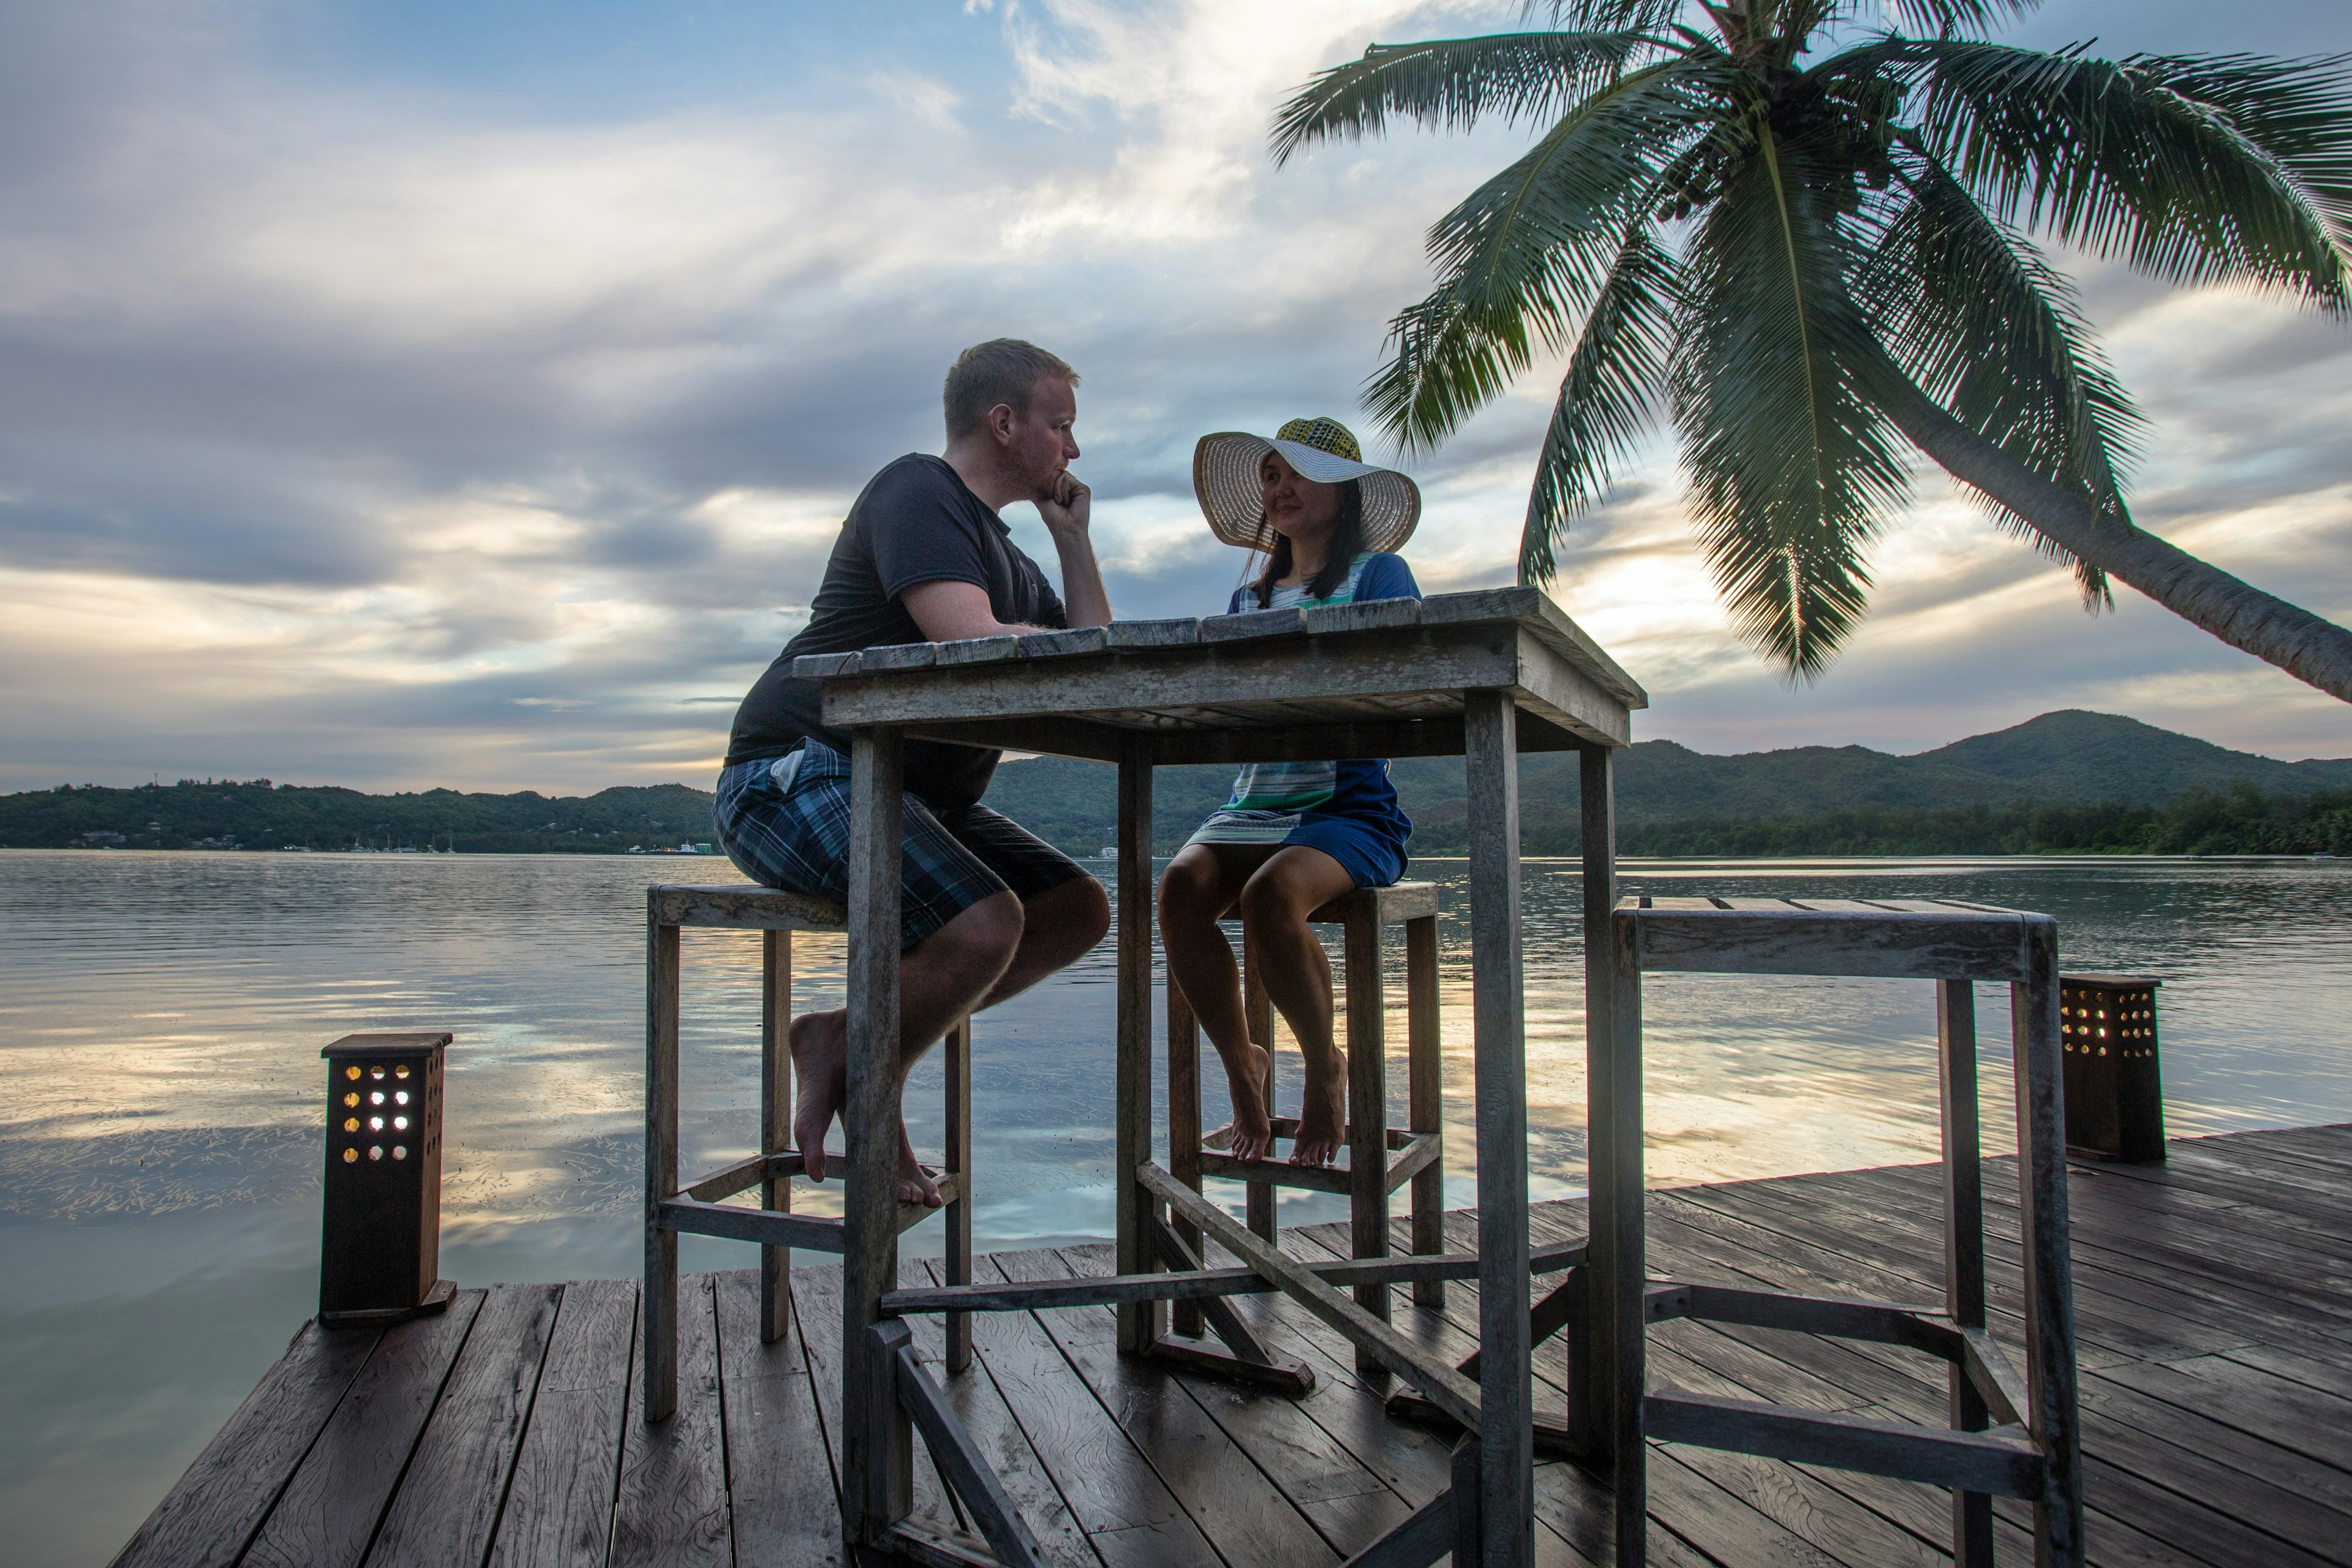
pixel 917 522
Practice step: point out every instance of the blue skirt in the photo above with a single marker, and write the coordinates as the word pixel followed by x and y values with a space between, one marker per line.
pixel 1370 851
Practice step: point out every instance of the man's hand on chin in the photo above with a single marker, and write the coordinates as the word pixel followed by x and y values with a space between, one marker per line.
pixel 1067 505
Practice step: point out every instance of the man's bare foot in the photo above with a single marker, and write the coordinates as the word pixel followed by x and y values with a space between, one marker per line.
pixel 1325 1112
pixel 1250 1134
pixel 820 1044
pixel 915 1183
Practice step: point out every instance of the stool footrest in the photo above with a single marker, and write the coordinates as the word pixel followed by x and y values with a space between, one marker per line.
pixel 770 1228
pixel 2002 1462
pixel 1417 1151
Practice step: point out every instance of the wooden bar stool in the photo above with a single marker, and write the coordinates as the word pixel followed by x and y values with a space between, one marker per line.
pixel 2008 1436
pixel 696 1207
pixel 1381 1158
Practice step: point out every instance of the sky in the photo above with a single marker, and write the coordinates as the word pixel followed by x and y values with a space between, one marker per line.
pixel 414 392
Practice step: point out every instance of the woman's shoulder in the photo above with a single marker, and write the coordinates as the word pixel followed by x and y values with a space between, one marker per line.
pixel 1385 576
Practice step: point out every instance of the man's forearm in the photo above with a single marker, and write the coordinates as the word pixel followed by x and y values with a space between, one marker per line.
pixel 1084 599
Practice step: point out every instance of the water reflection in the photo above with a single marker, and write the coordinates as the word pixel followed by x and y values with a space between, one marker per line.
pixel 161 1017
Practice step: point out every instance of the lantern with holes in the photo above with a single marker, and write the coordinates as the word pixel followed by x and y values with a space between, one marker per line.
pixel 379 1250
pixel 2115 1090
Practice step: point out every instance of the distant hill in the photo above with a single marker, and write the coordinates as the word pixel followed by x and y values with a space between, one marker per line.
pixel 1965 797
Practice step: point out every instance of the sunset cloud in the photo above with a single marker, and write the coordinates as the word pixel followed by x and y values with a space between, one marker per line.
pixel 399 410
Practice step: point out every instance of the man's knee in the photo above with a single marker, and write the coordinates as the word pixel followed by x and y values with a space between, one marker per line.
pixel 982 937
pixel 1072 916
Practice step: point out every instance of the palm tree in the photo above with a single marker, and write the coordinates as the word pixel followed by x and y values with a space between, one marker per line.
pixel 1808 261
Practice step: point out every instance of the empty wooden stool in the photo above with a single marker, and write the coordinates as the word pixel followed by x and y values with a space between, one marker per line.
pixel 1381 1158
pixel 698 1207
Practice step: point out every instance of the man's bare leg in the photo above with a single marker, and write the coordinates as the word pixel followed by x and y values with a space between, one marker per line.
pixel 940 982
pixel 1293 883
pixel 940 979
pixel 1198 889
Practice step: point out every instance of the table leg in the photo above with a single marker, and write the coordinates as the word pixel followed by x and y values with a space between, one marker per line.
pixel 1368 1111
pixel 1617 1320
pixel 658 1374
pixel 1425 1095
pixel 959 1155
pixel 775 1122
pixel 1185 1135
pixel 1507 1469
pixel 2049 1270
pixel 1964 1255
pixel 1257 1010
pixel 878 1448
pixel 1590 1372
pixel 1139 1323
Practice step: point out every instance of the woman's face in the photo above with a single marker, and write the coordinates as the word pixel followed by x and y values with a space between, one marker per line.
pixel 1295 506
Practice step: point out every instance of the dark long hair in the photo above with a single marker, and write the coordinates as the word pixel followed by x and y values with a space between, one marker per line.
pixel 1346 542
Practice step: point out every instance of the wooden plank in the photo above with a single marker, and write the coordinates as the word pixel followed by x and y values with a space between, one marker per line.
pixel 1365 615
pixel 784 1510
pixel 823 665
pixel 1056 644
pixel 559 1505
pixel 1250 624
pixel 979 651
pixel 742 906
pixel 1111 1489
pixel 877 1443
pixel 671 1508
pixel 1884 946
pixel 1141 1323
pixel 1180 632
pixel 448 1507
pixel 1245 1517
pixel 1531 606
pixel 329 1509
pixel 1968 1460
pixel 214 1509
pixel 899 656
pixel 1499 1051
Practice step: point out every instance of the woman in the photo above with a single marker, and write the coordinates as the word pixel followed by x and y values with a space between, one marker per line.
pixel 1294 836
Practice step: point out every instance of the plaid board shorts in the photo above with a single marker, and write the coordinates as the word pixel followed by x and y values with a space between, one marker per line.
pixel 785 821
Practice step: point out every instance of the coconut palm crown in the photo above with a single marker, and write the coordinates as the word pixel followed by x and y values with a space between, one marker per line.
pixel 1814 262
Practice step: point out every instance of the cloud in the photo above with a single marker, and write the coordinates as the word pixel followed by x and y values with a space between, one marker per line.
pixel 382 428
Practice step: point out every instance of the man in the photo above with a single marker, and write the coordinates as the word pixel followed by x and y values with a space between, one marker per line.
pixel 986 909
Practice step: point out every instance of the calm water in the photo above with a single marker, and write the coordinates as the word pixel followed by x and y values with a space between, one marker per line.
pixel 161 1017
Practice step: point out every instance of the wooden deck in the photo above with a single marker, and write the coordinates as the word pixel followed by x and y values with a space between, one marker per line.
pixel 2214 1295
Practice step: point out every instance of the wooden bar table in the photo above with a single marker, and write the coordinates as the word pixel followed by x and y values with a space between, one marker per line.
pixel 1482 676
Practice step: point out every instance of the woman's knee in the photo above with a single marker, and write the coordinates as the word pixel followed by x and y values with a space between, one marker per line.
pixel 1271 899
pixel 1190 888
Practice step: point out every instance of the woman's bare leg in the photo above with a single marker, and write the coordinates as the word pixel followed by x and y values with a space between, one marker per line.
pixel 1293 883
pixel 1200 886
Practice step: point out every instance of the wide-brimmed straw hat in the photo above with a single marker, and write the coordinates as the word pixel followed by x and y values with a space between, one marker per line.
pixel 1225 479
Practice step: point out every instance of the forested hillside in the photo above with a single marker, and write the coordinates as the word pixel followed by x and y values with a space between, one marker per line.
pixel 2064 780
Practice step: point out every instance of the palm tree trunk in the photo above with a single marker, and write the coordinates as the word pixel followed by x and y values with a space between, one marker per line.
pixel 2307 646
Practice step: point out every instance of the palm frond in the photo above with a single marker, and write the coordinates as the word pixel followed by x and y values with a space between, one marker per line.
pixel 1793 471
pixel 2193 170
pixel 1614 379
pixel 1983 323
pixel 1522 258
pixel 1958 16
pixel 1641 15
pixel 1452 83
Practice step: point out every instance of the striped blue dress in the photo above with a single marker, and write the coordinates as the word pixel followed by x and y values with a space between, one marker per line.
pixel 1346 809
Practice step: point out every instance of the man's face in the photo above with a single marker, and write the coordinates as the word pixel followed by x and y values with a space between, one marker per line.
pixel 1038 444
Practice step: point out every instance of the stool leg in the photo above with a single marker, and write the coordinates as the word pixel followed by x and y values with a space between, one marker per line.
pixel 1426 1092
pixel 658 1301
pixel 2049 1268
pixel 1367 1110
pixel 775 1123
pixel 1184 1136
pixel 1964 1256
pixel 1258 1008
pixel 959 1157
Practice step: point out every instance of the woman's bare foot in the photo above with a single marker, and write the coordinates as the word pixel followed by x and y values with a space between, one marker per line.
pixel 1250 1134
pixel 820 1045
pixel 1325 1113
